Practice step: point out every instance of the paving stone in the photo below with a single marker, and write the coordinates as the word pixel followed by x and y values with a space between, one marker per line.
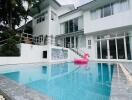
pixel 17 91
pixel 121 88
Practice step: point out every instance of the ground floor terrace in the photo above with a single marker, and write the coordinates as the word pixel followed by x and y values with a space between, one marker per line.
pixel 101 46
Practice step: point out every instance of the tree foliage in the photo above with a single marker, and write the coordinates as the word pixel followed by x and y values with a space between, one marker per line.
pixel 12 12
pixel 9 42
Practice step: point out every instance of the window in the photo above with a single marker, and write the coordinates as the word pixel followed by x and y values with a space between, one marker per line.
pixel 89 44
pixel 107 10
pixel 110 9
pixel 98 50
pixel 96 14
pixel 76 24
pixel 66 27
pixel 41 17
pixel 41 38
pixel 44 54
pixel 71 26
pixel 124 5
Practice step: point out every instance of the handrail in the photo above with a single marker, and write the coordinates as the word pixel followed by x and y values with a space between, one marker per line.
pixel 77 52
pixel 4 40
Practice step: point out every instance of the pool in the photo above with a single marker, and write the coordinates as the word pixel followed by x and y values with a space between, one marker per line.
pixel 66 81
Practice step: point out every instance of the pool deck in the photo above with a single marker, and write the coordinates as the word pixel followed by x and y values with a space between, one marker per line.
pixel 128 66
pixel 121 88
pixel 14 91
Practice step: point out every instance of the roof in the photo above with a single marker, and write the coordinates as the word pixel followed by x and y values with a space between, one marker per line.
pixel 71 6
pixel 28 24
pixel 94 4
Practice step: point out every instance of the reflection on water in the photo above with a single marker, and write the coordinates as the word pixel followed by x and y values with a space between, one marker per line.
pixel 67 81
pixel 46 72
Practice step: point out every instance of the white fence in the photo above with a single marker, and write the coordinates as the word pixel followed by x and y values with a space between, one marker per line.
pixel 29 54
pixel 34 54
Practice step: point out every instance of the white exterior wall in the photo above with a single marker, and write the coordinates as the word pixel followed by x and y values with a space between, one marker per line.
pixel 53 24
pixel 29 54
pixel 43 27
pixel 92 51
pixel 70 16
pixel 62 10
pixel 82 41
pixel 117 21
pixel 34 54
pixel 107 23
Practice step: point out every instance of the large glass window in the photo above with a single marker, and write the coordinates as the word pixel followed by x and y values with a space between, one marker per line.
pixel 76 24
pixel 71 26
pixel 115 47
pixel 112 45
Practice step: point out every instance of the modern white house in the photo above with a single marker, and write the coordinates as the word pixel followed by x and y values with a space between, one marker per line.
pixel 103 28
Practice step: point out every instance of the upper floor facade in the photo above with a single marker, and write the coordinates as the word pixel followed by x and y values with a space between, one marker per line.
pixel 94 17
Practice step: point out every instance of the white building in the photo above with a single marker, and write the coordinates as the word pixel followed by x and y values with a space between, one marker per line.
pixel 101 27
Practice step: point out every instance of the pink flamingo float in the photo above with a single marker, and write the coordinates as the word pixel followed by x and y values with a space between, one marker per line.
pixel 83 60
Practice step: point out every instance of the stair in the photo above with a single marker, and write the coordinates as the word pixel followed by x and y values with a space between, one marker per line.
pixel 77 51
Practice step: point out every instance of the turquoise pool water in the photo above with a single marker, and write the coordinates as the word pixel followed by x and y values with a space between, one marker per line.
pixel 67 81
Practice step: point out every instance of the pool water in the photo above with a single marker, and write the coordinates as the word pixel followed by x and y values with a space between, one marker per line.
pixel 67 81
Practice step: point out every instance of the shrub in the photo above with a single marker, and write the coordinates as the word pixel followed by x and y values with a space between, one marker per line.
pixel 9 46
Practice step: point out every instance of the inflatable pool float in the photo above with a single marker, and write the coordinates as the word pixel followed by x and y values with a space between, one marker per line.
pixel 83 60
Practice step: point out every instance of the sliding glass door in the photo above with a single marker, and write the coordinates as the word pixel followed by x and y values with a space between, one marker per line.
pixel 104 49
pixel 98 50
pixel 114 48
pixel 121 48
pixel 71 42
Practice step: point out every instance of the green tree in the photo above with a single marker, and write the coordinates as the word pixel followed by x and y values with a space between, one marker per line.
pixel 12 12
